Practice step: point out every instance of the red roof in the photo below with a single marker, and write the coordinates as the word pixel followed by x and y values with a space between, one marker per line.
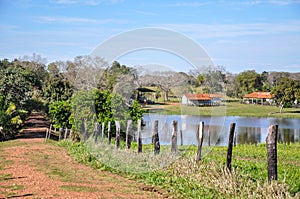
pixel 259 95
pixel 202 96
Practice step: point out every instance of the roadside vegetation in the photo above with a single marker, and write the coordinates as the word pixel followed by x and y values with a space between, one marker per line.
pixel 184 178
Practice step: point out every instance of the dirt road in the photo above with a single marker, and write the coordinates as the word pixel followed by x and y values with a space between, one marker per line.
pixel 31 168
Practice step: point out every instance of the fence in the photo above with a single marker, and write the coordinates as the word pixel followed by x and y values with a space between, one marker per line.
pixel 271 140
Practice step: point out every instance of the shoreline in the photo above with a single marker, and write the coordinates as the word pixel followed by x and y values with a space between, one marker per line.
pixel 230 109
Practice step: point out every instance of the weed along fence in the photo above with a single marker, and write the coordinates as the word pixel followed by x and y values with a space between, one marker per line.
pixel 103 134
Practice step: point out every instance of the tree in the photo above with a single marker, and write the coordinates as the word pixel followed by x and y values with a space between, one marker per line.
pixel 86 71
pixel 111 107
pixel 214 79
pixel 60 112
pixel 16 90
pixel 247 82
pixel 211 79
pixel 56 87
pixel 112 76
pixel 286 92
pixel 167 80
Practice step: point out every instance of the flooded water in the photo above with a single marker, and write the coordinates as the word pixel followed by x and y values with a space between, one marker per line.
pixel 249 130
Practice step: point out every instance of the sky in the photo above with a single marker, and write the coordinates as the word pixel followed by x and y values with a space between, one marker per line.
pixel 237 35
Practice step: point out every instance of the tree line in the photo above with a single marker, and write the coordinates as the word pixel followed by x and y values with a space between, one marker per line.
pixel 88 89
pixel 64 91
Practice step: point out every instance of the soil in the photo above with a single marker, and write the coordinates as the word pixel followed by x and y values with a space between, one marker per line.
pixel 35 169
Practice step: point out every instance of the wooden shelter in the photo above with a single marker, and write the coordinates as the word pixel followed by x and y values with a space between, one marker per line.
pixel 258 98
pixel 141 94
pixel 201 99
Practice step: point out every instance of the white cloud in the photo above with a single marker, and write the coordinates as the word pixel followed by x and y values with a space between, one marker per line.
pixel 190 4
pixel 292 66
pixel 145 13
pixel 235 30
pixel 64 1
pixel 71 20
pixel 285 2
pixel 86 2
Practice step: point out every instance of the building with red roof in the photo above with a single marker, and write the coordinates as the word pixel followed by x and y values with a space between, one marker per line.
pixel 201 99
pixel 258 98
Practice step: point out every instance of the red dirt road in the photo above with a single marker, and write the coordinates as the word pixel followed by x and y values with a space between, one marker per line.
pixel 31 168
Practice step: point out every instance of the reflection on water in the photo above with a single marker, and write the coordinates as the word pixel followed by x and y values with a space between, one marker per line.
pixel 249 130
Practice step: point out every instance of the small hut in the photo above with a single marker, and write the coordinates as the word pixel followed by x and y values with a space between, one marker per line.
pixel 258 98
pixel 201 99
pixel 141 94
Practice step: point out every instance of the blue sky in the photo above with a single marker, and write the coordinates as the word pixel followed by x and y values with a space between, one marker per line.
pixel 239 35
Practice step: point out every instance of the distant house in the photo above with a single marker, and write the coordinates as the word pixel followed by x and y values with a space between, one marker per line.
pixel 201 99
pixel 258 98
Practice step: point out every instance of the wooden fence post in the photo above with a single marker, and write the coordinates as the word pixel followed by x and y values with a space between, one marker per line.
pixel 174 136
pixel 50 131
pixel 200 134
pixel 71 135
pixel 271 144
pixel 181 138
pixel 85 132
pixel 46 137
pixel 117 134
pixel 234 140
pixel 96 131
pixel 208 133
pixel 155 138
pixel 102 130
pixel 229 149
pixel 66 133
pixel 109 132
pixel 128 134
pixel 140 146
pixel 61 132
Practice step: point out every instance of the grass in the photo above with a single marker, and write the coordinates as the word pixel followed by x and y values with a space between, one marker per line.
pixel 185 179
pixel 9 189
pixel 78 188
pixel 229 109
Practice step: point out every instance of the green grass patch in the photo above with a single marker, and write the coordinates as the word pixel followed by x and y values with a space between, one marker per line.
pixel 11 143
pixel 228 109
pixel 78 188
pixel 10 190
pixel 4 162
pixel 4 177
pixel 185 179
pixel 13 187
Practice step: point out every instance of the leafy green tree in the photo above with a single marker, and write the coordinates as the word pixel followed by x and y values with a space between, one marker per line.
pixel 84 111
pixel 247 82
pixel 286 92
pixel 16 91
pixel 111 75
pixel 61 112
pixel 56 87
pixel 16 83
pixel 112 107
pixel 214 79
pixel 136 111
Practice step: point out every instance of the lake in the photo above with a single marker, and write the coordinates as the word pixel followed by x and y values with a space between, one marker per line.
pixel 249 130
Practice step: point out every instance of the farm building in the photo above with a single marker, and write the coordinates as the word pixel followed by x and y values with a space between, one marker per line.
pixel 258 98
pixel 201 99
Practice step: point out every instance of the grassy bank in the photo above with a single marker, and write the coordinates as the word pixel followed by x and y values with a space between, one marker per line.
pixel 229 109
pixel 185 179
